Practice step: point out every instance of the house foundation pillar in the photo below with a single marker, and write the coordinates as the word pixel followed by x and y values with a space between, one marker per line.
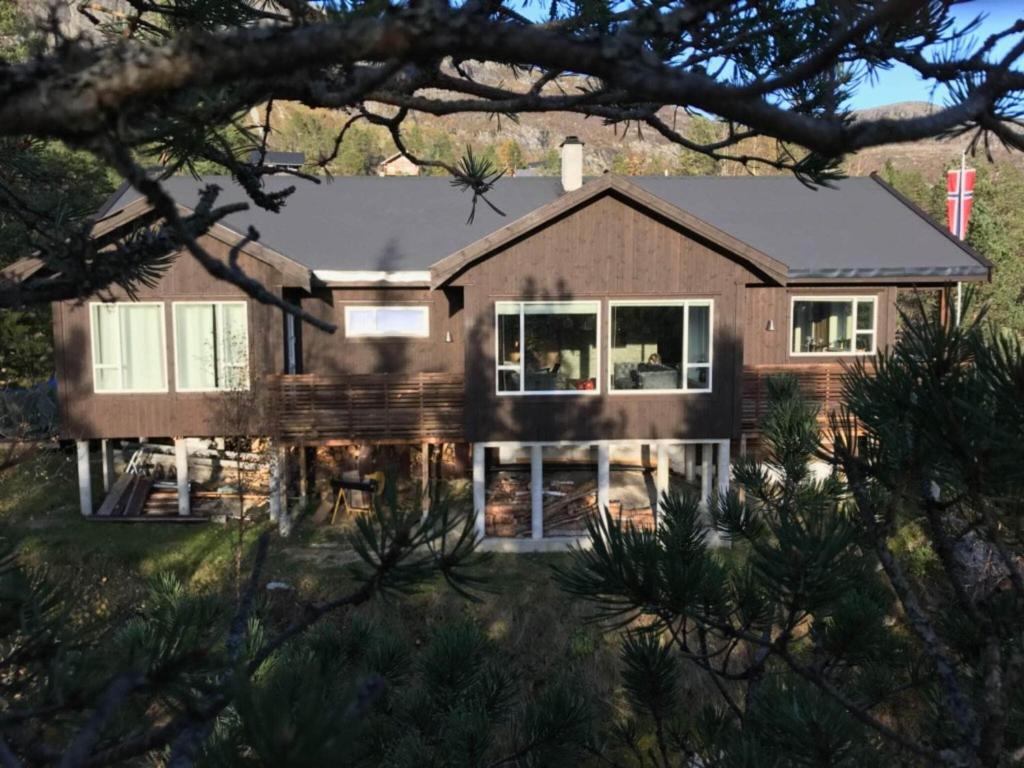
pixel 181 470
pixel 705 474
pixel 723 467
pixel 107 451
pixel 661 478
pixel 479 490
pixel 84 478
pixel 303 475
pixel 536 492
pixel 604 475
pixel 425 478
pixel 279 487
pixel 274 484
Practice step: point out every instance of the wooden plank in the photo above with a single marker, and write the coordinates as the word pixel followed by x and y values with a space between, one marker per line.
pixel 114 499
pixel 137 496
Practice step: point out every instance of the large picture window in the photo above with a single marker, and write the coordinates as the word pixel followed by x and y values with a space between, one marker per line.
pixel 660 346
pixel 833 325
pixel 547 346
pixel 211 345
pixel 128 347
pixel 410 321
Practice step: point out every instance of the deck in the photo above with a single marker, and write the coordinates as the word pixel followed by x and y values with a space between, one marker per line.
pixel 428 407
pixel 821 384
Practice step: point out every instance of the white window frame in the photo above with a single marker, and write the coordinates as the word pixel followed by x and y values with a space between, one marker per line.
pixel 855 300
pixel 117 365
pixel 684 305
pixel 424 309
pixel 218 341
pixel 498 367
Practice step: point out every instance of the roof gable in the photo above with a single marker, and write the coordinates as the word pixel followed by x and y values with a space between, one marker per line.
pixel 294 275
pixel 446 269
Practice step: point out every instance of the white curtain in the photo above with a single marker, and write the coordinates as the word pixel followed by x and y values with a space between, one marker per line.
pixel 106 348
pixel 233 327
pixel 142 343
pixel 399 321
pixel 128 347
pixel 387 321
pixel 195 346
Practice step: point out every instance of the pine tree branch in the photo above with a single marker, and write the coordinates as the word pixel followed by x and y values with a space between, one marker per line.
pixel 167 209
pixel 7 758
pixel 956 703
pixel 115 694
pixel 130 75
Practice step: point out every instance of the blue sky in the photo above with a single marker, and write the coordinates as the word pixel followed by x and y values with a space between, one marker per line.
pixel 902 84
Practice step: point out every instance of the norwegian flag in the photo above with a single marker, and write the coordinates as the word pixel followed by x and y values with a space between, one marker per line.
pixel 959 199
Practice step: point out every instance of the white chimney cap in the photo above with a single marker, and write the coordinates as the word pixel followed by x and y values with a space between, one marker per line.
pixel 572 163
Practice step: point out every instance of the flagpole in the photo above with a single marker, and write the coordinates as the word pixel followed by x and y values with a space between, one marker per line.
pixel 960 234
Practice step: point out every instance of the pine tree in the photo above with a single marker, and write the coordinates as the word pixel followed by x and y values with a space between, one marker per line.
pixel 822 638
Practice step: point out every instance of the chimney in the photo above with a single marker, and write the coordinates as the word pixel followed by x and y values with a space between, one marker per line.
pixel 572 163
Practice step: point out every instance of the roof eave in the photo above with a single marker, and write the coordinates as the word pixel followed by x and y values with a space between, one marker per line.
pixel 919 276
pixel 921 213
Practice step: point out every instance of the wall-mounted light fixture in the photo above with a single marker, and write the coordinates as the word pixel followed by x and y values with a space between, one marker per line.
pixel 770 326
pixel 448 337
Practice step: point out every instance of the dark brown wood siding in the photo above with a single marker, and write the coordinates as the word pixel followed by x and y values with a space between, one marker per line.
pixel 88 414
pixel 605 251
pixel 772 305
pixel 335 354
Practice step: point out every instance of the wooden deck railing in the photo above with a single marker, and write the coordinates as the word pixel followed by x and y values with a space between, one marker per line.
pixel 820 383
pixel 375 408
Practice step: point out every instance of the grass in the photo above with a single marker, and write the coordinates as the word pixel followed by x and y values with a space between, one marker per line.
pixel 539 629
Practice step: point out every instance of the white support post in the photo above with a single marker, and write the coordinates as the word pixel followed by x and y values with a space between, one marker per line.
pixel 723 467
pixel 84 478
pixel 604 474
pixel 536 492
pixel 743 455
pixel 425 477
pixel 284 521
pixel 691 462
pixel 303 474
pixel 181 469
pixel 107 451
pixel 661 480
pixel 479 489
pixel 705 474
pixel 274 489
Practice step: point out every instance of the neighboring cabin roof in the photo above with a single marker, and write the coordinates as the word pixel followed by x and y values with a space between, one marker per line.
pixel 857 230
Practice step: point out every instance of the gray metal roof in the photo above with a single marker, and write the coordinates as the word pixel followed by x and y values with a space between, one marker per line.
pixel 857 229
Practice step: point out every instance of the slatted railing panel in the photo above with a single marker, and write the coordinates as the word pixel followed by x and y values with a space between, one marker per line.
pixel 310 407
pixel 821 384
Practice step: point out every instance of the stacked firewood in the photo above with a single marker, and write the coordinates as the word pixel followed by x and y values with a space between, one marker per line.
pixel 508 505
pixel 567 513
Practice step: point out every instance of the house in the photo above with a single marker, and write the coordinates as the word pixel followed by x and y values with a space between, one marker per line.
pixel 603 341
pixel 397 165
pixel 283 162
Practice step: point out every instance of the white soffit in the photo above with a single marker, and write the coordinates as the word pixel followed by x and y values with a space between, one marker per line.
pixel 345 276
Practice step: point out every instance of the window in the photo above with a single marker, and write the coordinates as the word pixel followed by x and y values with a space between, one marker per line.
pixel 833 325
pixel 128 347
pixel 547 346
pixel 660 346
pixel 387 321
pixel 211 345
